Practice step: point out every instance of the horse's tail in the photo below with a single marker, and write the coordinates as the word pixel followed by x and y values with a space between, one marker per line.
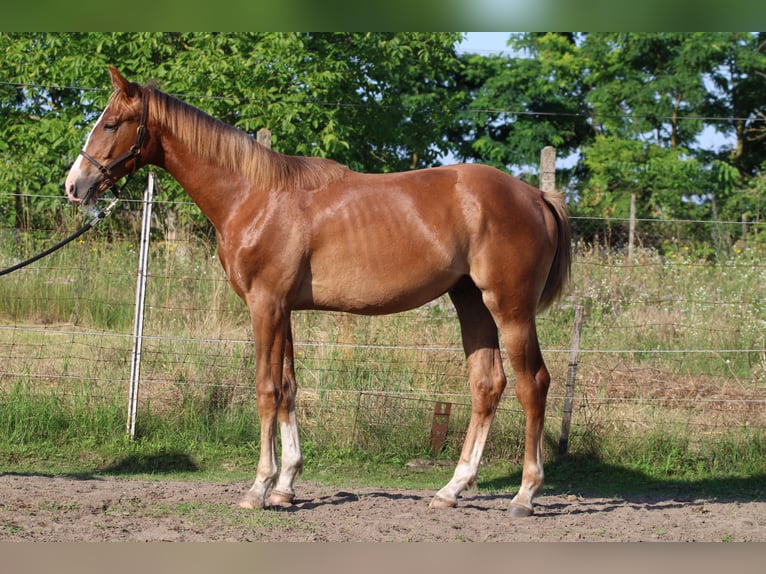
pixel 558 276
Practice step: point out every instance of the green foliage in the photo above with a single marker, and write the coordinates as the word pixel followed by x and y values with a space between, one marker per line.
pixel 667 182
pixel 627 112
pixel 515 106
pixel 374 101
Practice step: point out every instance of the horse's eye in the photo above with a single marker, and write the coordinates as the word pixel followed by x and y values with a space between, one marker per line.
pixel 110 127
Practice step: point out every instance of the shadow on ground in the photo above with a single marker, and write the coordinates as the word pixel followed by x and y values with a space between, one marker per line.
pixel 588 476
pixel 166 462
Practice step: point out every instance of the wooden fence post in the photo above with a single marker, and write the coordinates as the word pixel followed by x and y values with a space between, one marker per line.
pixel 632 227
pixel 744 229
pixel 263 137
pixel 574 355
pixel 548 168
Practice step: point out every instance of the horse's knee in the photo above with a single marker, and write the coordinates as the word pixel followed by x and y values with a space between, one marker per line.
pixel 268 395
pixel 497 383
pixel 543 379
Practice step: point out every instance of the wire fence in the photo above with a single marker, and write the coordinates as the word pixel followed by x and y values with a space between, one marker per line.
pixel 674 335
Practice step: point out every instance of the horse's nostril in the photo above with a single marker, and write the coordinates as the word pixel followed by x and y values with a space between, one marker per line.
pixel 71 192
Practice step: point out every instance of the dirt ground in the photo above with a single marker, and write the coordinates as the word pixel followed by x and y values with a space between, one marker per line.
pixel 63 509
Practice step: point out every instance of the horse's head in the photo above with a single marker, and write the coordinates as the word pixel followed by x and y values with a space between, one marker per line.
pixel 114 146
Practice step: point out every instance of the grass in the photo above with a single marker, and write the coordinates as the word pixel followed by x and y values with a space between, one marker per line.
pixel 655 407
pixel 45 436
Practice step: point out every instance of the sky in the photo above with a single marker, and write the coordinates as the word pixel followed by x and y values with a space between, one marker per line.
pixel 485 43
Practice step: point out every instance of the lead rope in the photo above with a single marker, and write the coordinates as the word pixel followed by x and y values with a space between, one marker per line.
pixel 98 216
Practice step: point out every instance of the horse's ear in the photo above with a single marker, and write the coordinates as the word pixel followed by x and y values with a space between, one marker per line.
pixel 120 83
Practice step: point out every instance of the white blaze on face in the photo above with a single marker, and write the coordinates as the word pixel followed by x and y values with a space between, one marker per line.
pixel 76 169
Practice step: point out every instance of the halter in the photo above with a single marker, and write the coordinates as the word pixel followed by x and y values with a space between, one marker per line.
pixel 134 153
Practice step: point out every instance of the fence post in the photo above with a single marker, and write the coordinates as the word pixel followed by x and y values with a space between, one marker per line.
pixel 574 355
pixel 548 168
pixel 138 321
pixel 632 227
pixel 263 137
pixel 744 229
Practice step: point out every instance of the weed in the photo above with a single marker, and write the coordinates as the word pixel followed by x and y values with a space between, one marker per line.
pixel 9 528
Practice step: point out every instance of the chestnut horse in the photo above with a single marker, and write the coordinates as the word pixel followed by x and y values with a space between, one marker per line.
pixel 299 233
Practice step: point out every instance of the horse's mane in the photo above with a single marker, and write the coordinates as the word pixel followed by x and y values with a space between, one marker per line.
pixel 237 151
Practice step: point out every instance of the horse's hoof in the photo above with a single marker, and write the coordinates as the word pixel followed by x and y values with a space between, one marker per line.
pixel 516 510
pixel 249 503
pixel 279 499
pixel 439 502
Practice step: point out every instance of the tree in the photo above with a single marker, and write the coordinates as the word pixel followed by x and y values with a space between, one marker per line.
pixel 668 88
pixel 630 109
pixel 737 94
pixel 644 93
pixel 514 106
pixel 38 131
pixel 376 101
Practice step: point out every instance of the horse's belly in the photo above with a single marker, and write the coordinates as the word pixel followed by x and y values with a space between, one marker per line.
pixel 373 256
pixel 376 288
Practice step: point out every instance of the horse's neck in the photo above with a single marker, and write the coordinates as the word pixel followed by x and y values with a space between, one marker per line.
pixel 216 191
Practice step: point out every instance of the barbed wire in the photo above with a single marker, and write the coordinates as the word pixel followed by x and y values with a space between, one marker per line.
pixel 61 356
pixel 377 105
pixel 189 203
pixel 366 347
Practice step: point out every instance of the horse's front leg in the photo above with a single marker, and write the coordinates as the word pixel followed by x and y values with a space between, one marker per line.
pixel 292 460
pixel 270 331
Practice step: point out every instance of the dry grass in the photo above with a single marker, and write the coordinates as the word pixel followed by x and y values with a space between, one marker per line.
pixel 663 348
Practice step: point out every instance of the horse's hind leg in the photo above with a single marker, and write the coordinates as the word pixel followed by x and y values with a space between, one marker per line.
pixel 292 460
pixel 532 381
pixel 487 381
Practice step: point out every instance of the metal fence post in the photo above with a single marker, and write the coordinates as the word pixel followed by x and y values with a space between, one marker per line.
pixel 138 321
